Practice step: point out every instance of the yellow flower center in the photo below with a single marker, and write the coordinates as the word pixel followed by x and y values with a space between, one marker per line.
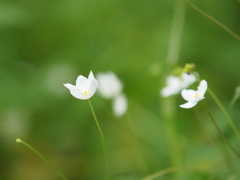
pixel 196 95
pixel 85 93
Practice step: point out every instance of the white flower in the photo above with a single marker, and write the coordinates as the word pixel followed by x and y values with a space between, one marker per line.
pixel 85 87
pixel 187 80
pixel 109 85
pixel 194 96
pixel 175 84
pixel 120 105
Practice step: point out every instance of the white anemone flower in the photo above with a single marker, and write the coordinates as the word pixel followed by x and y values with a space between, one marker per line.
pixel 120 105
pixel 85 87
pixel 193 96
pixel 109 85
pixel 175 84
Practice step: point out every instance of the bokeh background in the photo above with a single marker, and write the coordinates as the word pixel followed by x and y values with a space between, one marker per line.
pixel 44 44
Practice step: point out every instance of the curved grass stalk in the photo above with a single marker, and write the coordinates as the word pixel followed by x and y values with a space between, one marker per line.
pixel 43 158
pixel 212 138
pixel 229 31
pixel 168 171
pixel 220 132
pixel 225 113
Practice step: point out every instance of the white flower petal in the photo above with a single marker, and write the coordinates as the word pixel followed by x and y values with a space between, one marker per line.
pixel 189 104
pixel 169 90
pixel 67 85
pixel 120 105
pixel 82 83
pixel 77 93
pixel 188 94
pixel 188 77
pixel 202 88
pixel 201 98
pixel 109 85
pixel 93 87
pixel 165 92
pixel 175 84
pixel 173 80
pixel 187 80
pixel 90 76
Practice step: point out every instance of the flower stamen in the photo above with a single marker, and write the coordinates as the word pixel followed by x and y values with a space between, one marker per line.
pixel 196 95
pixel 85 93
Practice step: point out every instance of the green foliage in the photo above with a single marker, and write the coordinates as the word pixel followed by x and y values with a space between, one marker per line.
pixel 47 43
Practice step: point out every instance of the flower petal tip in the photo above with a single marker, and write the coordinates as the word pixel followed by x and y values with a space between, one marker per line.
pixel 91 75
pixel 67 85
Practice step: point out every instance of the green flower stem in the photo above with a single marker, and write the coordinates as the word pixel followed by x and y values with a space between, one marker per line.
pixel 215 98
pixel 220 132
pixel 102 138
pixel 224 112
pixel 215 21
pixel 212 138
pixel 42 157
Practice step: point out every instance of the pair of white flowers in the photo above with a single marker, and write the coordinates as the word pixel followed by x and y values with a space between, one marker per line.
pixel 108 85
pixel 177 84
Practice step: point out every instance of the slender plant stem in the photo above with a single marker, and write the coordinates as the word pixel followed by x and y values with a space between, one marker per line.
pixel 215 98
pixel 102 138
pixel 214 140
pixel 220 132
pixel 215 21
pixel 43 158
pixel 224 112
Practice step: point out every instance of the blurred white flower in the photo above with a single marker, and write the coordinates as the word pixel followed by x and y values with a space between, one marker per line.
pixel 175 84
pixel 85 87
pixel 120 105
pixel 110 87
pixel 188 79
pixel 194 96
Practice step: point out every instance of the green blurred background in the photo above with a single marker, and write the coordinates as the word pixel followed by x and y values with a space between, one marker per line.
pixel 44 44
